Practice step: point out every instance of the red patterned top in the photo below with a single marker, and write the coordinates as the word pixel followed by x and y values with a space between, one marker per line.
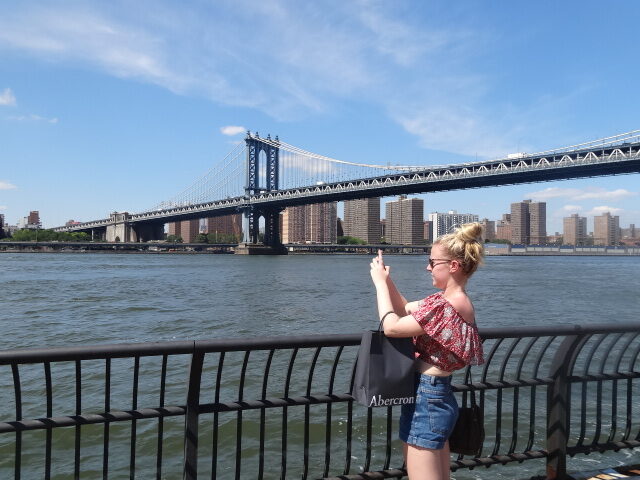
pixel 449 342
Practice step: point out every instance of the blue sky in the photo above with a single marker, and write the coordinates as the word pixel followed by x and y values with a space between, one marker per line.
pixel 116 106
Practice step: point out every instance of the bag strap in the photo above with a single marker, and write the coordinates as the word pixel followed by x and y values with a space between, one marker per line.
pixel 472 392
pixel 382 320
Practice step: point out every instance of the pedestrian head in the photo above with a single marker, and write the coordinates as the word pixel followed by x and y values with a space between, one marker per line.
pixel 465 245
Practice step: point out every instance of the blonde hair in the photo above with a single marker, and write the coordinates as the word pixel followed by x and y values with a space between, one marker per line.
pixel 465 245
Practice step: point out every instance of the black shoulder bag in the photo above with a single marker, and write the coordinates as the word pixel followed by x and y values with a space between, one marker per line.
pixel 384 373
pixel 468 433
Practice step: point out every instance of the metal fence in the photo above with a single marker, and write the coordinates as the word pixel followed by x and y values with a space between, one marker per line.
pixel 280 408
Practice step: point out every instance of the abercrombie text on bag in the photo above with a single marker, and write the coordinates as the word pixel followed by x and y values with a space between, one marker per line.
pixel 386 402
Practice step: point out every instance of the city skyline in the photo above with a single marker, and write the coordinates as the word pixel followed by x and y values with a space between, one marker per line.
pixel 589 221
pixel 103 109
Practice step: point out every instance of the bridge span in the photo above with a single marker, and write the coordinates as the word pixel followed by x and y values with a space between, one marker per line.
pixel 328 180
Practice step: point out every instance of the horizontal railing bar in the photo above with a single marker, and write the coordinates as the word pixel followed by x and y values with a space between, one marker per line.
pixel 268 343
pixel 498 459
pixel 602 447
pixel 91 418
pixel 604 376
pixel 455 465
pixel 119 350
pixel 273 403
pixel 502 384
pixel 587 329
pixel 114 416
pixel 93 352
pixel 377 475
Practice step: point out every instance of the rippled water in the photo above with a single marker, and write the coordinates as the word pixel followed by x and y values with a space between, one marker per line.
pixel 86 298
pixel 58 299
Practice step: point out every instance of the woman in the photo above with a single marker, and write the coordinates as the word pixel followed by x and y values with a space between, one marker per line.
pixel 446 339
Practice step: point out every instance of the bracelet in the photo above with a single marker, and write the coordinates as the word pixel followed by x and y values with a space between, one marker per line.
pixel 385 316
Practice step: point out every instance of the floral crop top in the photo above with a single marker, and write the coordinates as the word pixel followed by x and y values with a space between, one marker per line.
pixel 449 342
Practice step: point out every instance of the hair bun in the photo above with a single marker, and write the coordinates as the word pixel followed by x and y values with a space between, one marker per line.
pixel 470 232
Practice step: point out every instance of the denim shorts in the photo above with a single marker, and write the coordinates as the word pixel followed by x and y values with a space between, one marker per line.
pixel 430 420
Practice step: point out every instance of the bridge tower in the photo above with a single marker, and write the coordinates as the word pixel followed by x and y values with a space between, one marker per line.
pixel 251 215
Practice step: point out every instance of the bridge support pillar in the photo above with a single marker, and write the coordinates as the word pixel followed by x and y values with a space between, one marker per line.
pixel 271 244
pixel 250 226
pixel 272 228
pixel 120 229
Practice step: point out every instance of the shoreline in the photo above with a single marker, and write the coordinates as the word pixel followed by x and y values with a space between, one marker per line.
pixel 491 249
pixel 365 253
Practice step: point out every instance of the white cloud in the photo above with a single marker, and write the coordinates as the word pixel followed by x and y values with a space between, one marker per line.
pixel 553 192
pixel 602 194
pixel 604 209
pixel 317 53
pixel 572 208
pixel 33 118
pixel 445 127
pixel 232 130
pixel 3 207
pixel 88 37
pixel 565 211
pixel 394 38
pixel 6 186
pixel 577 194
pixel 7 98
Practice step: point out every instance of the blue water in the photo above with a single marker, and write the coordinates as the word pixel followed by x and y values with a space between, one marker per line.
pixel 58 299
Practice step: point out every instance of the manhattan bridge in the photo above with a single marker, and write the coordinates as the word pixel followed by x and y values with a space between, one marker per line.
pixel 262 176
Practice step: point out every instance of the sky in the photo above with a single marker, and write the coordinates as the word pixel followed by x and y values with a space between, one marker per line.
pixel 117 106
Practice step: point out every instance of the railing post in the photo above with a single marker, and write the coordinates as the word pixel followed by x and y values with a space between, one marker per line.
pixel 558 407
pixel 190 471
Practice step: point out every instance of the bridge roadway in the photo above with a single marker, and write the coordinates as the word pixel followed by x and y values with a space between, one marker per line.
pixel 556 165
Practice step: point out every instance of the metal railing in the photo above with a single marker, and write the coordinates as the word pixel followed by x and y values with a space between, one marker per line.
pixel 280 407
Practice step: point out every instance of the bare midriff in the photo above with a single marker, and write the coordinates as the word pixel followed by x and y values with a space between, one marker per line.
pixel 428 369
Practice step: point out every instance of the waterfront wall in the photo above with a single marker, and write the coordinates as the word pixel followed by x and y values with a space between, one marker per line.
pixel 505 249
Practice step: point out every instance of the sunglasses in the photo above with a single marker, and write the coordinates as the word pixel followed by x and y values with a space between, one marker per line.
pixel 433 264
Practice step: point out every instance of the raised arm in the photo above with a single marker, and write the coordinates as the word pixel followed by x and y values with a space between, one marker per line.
pixel 396 323
pixel 398 302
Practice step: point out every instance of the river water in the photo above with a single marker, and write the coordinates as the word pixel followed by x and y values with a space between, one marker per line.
pixel 49 300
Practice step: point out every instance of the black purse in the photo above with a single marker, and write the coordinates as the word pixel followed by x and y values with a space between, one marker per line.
pixel 384 373
pixel 468 433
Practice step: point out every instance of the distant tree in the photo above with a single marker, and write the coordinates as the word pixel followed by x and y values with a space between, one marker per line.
pixel 40 235
pixel 79 237
pixel 174 239
pixel 201 238
pixel 22 235
pixel 347 240
pixel 224 238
